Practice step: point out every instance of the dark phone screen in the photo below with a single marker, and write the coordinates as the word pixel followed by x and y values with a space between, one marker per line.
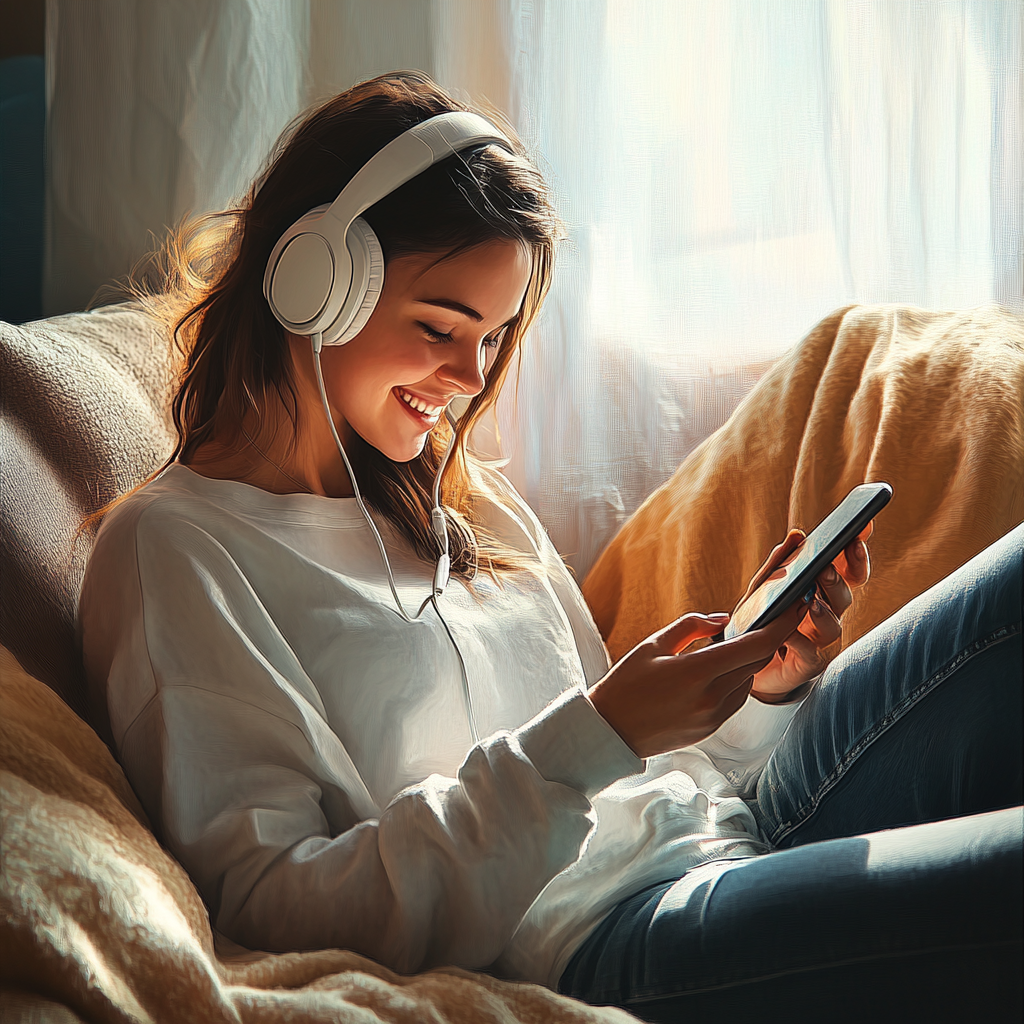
pixel 823 544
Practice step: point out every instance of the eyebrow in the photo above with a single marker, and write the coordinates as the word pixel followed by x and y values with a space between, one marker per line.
pixel 461 307
pixel 457 307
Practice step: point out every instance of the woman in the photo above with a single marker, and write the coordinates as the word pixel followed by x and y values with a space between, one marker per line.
pixel 345 748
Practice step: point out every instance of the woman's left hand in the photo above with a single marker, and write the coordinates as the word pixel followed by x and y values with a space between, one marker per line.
pixel 802 658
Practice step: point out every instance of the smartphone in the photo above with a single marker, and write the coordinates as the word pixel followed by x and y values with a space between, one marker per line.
pixel 822 545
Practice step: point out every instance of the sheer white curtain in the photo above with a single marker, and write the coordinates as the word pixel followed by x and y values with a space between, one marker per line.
pixel 730 172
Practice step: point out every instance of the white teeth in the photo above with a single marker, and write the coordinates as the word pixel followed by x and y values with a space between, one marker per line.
pixel 418 404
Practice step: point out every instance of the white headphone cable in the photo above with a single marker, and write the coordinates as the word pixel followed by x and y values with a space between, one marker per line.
pixel 437 518
pixel 437 521
pixel 317 340
pixel 467 696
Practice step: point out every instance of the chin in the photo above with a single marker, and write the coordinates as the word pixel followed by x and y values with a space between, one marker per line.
pixel 403 451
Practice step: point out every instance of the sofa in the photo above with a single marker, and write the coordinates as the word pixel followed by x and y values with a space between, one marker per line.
pixel 99 923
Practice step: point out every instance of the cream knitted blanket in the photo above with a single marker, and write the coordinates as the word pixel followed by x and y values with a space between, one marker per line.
pixel 98 923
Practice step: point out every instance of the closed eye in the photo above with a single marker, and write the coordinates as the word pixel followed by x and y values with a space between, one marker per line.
pixel 443 339
pixel 493 341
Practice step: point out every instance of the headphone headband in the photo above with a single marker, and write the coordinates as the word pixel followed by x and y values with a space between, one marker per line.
pixel 327 270
pixel 410 154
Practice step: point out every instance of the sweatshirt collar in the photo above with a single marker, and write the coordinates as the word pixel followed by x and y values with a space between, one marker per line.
pixel 250 500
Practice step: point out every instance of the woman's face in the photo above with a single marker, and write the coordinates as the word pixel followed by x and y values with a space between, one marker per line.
pixel 431 338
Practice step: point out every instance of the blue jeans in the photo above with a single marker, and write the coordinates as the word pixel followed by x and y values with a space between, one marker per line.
pixel 914 730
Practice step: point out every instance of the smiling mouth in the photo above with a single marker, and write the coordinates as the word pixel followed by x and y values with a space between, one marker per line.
pixel 423 411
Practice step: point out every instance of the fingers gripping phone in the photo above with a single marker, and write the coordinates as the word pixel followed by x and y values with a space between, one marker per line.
pixel 823 544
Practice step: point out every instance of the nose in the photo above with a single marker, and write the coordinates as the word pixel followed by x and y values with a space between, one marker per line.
pixel 464 368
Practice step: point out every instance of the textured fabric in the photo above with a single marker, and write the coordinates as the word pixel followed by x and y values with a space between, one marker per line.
pixel 931 402
pixel 98 923
pixel 84 417
pixel 310 757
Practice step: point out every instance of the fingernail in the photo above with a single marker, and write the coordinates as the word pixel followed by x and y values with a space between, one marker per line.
pixel 719 616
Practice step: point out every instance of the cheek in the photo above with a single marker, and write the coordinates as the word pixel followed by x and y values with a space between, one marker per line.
pixel 370 365
pixel 410 364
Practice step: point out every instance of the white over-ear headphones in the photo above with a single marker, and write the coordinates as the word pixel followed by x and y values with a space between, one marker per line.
pixel 326 271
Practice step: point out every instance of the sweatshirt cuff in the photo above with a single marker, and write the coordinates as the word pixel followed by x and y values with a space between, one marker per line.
pixel 571 743
pixel 754 727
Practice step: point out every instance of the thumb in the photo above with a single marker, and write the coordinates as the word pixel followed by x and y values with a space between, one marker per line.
pixel 692 626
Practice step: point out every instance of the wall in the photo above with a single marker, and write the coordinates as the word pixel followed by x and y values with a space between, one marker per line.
pixel 22 168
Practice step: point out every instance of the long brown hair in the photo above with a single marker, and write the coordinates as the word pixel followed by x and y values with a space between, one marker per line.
pixel 234 352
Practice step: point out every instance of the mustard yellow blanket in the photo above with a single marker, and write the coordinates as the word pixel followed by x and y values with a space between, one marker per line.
pixel 931 402
pixel 98 923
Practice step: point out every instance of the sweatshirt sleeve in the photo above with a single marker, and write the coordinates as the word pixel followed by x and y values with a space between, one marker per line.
pixel 225 740
pixel 740 747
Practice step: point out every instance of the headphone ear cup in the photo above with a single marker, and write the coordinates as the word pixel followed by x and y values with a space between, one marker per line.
pixel 367 282
pixel 300 274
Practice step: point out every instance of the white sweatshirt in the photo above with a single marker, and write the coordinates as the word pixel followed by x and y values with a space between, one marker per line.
pixel 310 758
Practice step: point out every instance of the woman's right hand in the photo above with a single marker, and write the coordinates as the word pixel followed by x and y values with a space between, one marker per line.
pixel 661 697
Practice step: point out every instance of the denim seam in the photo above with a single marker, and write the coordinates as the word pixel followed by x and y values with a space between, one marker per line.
pixel 654 993
pixel 884 724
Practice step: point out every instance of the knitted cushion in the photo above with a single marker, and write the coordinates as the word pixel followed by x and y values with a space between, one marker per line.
pixel 83 418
